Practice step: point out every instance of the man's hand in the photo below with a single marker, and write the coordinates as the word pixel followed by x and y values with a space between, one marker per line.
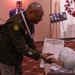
pixel 53 60
pixel 47 57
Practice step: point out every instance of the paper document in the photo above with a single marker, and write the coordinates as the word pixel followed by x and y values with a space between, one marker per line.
pixel 52 46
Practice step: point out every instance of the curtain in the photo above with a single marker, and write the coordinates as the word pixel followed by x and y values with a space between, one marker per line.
pixel 54 27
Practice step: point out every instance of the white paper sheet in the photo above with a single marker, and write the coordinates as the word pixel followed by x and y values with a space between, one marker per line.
pixel 52 46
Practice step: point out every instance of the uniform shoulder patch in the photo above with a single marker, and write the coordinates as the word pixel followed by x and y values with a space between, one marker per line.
pixel 16 27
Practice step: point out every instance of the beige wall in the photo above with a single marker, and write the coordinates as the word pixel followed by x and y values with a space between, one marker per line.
pixel 42 29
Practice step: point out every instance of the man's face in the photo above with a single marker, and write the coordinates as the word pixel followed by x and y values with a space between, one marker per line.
pixel 18 6
pixel 36 17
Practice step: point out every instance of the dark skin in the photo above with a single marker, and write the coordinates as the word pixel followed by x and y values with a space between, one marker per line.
pixel 55 61
pixel 35 14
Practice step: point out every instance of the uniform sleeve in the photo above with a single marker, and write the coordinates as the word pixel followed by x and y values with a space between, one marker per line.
pixel 17 38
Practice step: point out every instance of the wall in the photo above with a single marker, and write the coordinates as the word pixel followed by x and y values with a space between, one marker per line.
pixel 42 29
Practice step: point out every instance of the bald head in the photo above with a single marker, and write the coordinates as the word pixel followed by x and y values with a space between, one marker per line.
pixel 34 7
pixel 34 12
pixel 34 4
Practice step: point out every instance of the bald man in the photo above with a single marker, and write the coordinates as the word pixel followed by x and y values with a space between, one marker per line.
pixel 16 40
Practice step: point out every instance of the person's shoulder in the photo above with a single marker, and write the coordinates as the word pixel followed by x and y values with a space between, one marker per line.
pixel 12 10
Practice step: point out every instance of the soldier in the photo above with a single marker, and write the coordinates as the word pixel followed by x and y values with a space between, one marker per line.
pixel 16 40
